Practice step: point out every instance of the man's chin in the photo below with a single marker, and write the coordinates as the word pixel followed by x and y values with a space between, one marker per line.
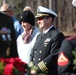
pixel 41 28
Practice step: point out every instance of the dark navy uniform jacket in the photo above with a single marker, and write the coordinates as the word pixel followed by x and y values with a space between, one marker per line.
pixel 7 37
pixel 66 57
pixel 45 51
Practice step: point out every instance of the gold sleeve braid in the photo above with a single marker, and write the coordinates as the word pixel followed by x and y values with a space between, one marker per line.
pixel 42 66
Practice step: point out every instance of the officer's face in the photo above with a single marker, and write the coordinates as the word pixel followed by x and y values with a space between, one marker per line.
pixel 26 26
pixel 43 23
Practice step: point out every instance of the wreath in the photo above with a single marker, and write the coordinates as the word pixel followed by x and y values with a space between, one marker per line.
pixel 74 61
pixel 14 66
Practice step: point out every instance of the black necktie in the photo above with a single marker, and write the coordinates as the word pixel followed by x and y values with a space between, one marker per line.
pixel 42 35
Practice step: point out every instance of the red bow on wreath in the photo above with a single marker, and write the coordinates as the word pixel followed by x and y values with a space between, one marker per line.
pixel 11 63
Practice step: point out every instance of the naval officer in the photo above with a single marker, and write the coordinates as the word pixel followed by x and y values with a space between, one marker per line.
pixel 45 51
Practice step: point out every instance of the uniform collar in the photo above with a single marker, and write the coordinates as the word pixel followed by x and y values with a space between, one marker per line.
pixel 48 29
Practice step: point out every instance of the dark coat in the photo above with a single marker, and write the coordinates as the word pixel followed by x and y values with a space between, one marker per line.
pixel 45 51
pixel 66 57
pixel 7 37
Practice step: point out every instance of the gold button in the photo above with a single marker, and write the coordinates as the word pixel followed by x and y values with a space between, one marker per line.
pixel 34 51
pixel 33 58
pixel 39 59
pixel 40 51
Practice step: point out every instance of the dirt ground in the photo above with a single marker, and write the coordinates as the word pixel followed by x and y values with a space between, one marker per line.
pixel 69 33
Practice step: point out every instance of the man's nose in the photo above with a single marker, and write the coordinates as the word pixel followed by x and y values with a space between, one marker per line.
pixel 38 21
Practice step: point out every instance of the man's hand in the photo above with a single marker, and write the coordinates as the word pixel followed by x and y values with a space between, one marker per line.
pixel 33 72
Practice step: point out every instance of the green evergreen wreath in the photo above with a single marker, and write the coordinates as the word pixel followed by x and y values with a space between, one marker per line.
pixel 74 61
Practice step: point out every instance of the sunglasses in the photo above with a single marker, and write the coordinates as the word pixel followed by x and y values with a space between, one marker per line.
pixel 4 11
pixel 41 18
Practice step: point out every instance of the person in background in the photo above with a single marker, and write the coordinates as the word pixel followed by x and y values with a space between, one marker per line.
pixel 9 10
pixel 66 58
pixel 8 48
pixel 46 48
pixel 26 8
pixel 26 40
